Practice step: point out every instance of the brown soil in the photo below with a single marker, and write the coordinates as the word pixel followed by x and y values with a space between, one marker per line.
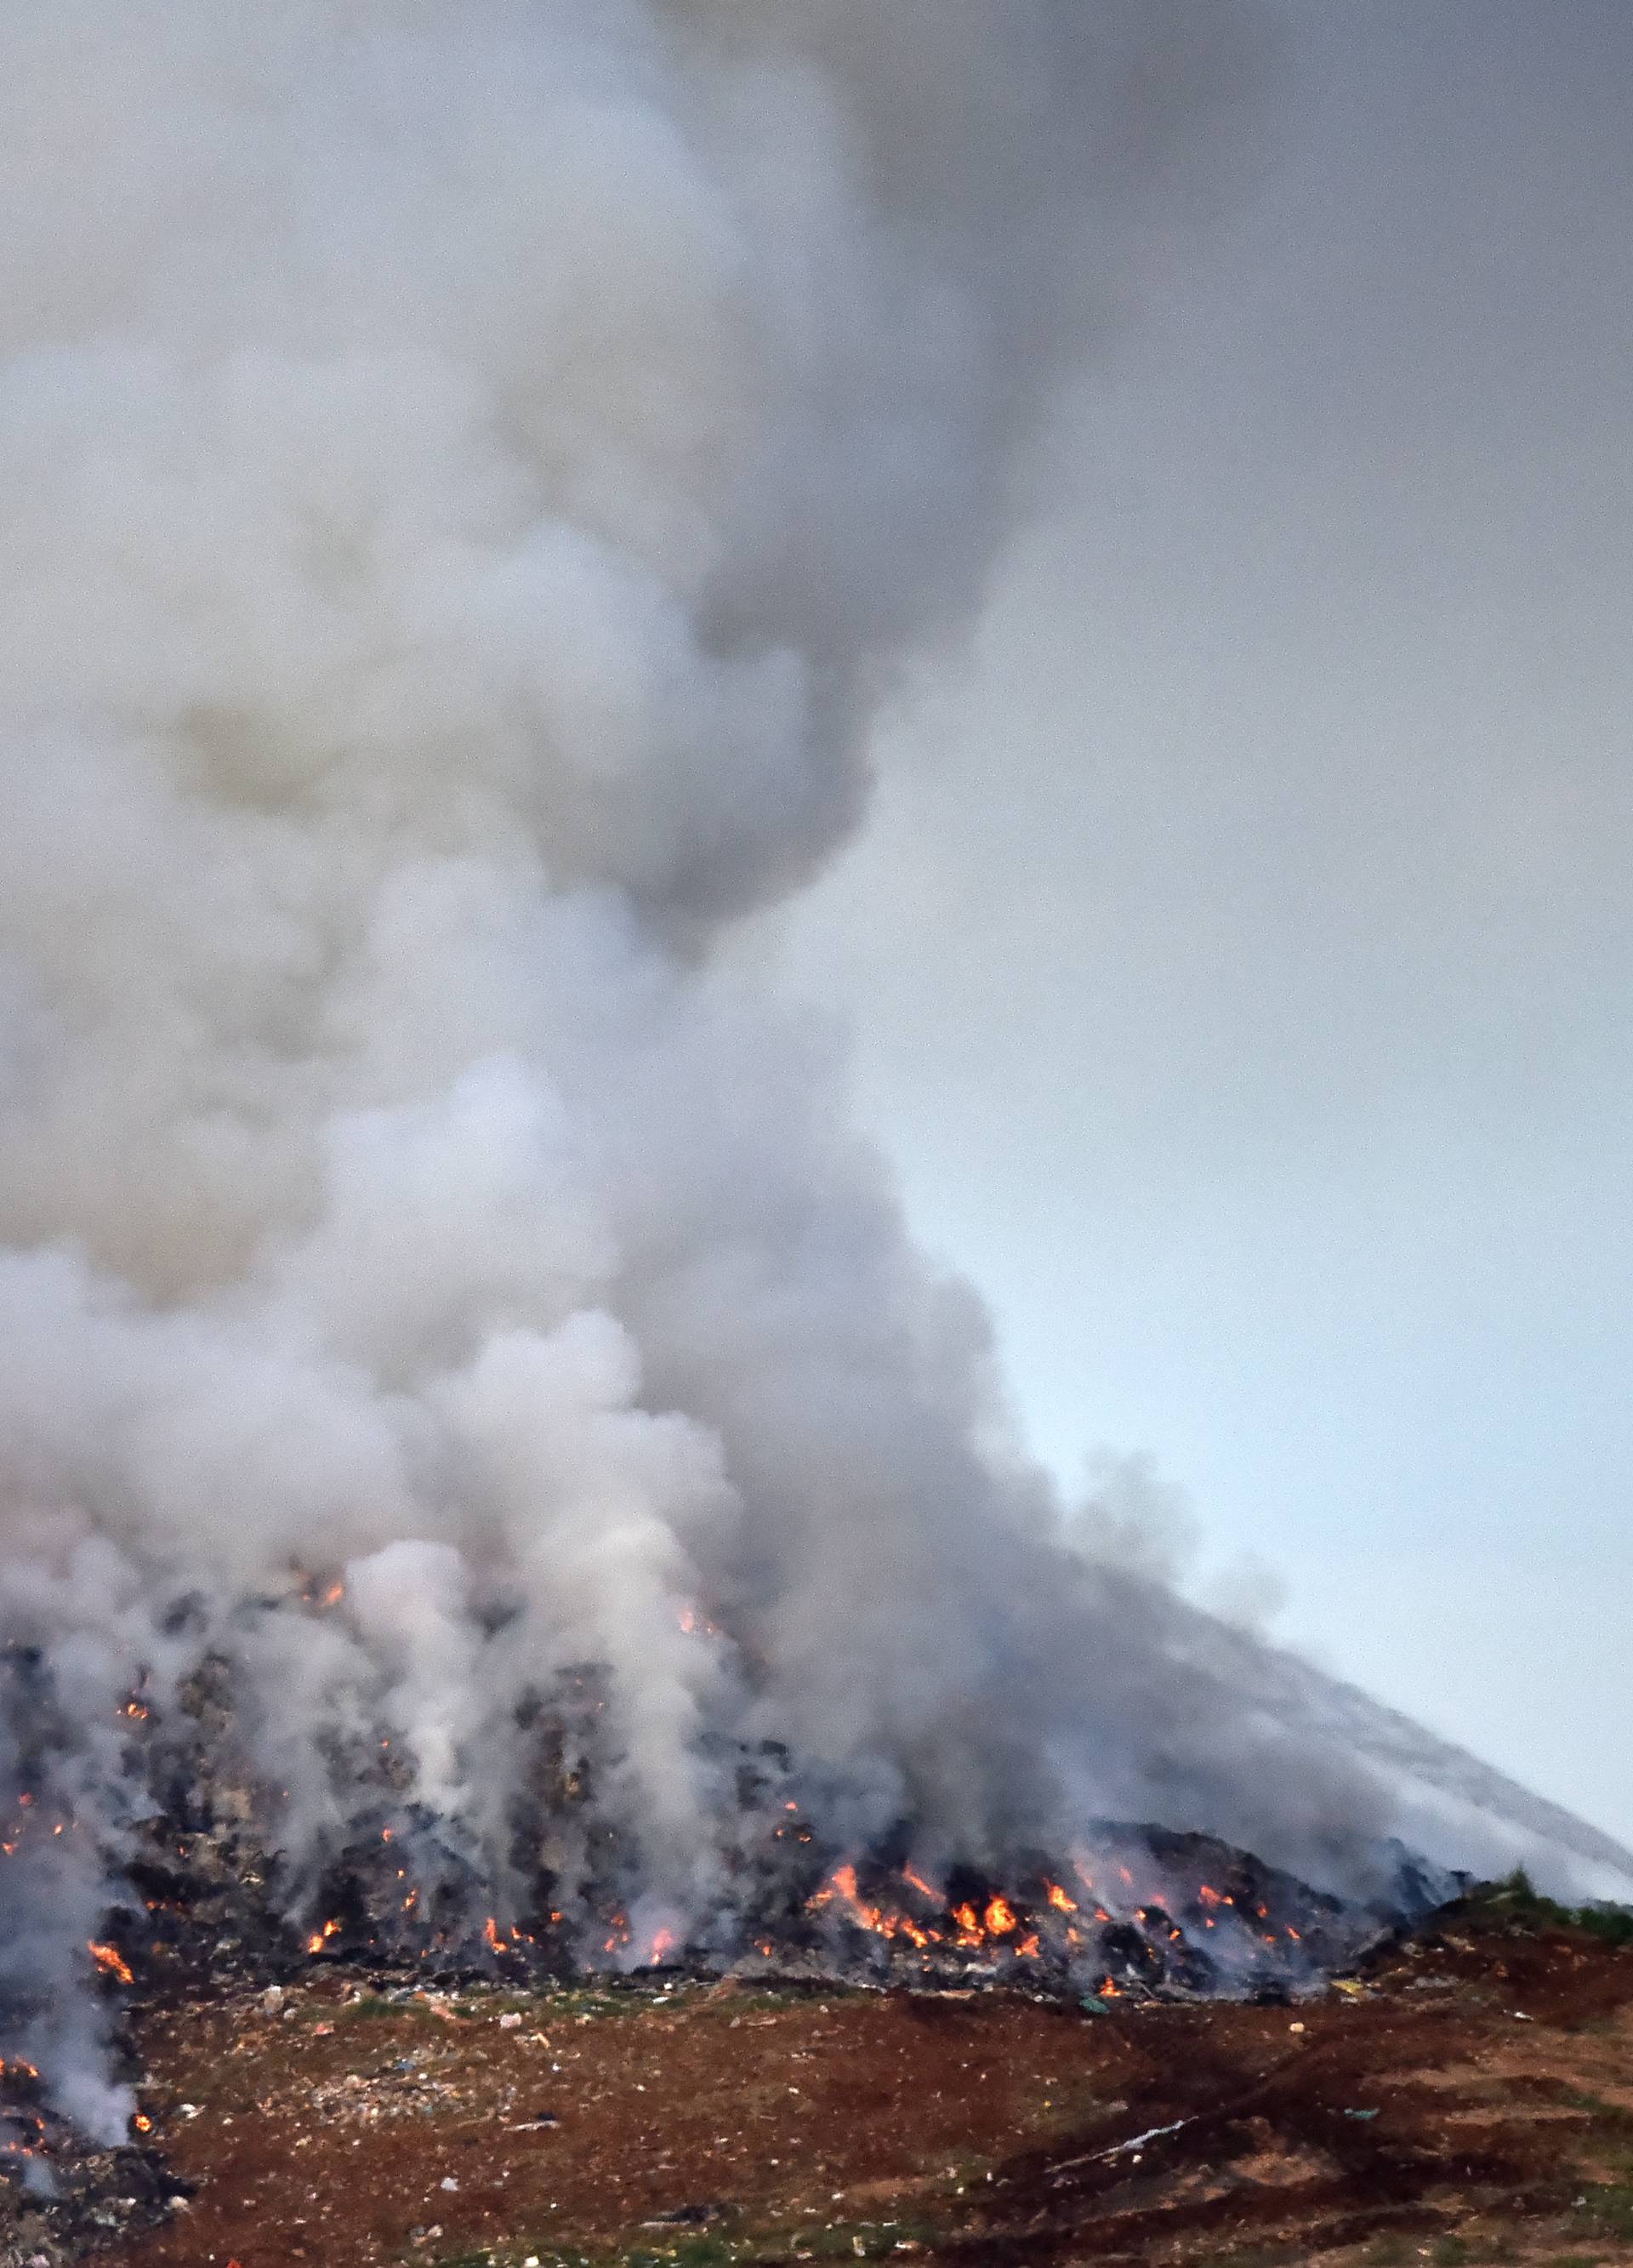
pixel 1471 2100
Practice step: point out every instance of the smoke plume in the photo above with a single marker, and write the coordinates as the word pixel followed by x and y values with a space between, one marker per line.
pixel 469 474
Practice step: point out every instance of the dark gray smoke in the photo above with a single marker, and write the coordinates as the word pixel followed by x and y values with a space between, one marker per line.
pixel 469 473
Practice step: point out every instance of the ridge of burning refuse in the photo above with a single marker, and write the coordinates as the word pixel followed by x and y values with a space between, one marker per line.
pixel 199 1883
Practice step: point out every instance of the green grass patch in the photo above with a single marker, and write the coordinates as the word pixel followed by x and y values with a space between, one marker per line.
pixel 1610 2206
pixel 1610 2114
pixel 1517 1900
pixel 1389 2251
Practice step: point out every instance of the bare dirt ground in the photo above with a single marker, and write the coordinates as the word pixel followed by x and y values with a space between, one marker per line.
pixel 1468 2099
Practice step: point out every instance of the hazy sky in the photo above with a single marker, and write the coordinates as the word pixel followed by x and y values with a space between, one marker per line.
pixel 1239 956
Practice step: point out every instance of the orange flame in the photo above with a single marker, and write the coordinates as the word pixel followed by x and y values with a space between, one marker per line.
pixel 107 1958
pixel 842 1883
pixel 969 1926
pixel 1000 1916
pixel 1058 1899
pixel 319 1938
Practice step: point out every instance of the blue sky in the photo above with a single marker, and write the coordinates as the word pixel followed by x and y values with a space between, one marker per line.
pixel 1239 957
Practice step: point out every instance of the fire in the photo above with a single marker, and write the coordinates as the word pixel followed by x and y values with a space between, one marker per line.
pixel 1059 1900
pixel 663 1944
pixel 920 1884
pixel 141 2123
pixel 490 1933
pixel 108 1958
pixel 844 1884
pixel 319 1938
pixel 133 1709
pixel 1000 1916
pixel 336 1593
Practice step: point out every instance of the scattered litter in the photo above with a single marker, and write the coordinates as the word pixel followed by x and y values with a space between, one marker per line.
pixel 510 2023
pixel 1360 2114
pixel 1136 2144
pixel 449 2182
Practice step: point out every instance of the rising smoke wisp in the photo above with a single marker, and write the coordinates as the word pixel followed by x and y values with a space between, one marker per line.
pixel 469 473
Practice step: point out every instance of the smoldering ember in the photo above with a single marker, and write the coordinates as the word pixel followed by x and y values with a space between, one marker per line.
pixel 495 1503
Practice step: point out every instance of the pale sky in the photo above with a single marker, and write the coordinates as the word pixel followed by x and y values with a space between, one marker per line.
pixel 1239 956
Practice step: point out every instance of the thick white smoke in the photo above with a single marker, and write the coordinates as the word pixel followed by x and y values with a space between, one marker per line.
pixel 468 472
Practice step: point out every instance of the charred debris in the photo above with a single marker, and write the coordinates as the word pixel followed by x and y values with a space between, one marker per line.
pixel 200 1900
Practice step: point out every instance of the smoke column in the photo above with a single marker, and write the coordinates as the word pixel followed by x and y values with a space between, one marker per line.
pixel 469 473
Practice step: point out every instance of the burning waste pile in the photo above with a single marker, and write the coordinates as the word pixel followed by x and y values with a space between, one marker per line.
pixel 407 1890
pixel 471 475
